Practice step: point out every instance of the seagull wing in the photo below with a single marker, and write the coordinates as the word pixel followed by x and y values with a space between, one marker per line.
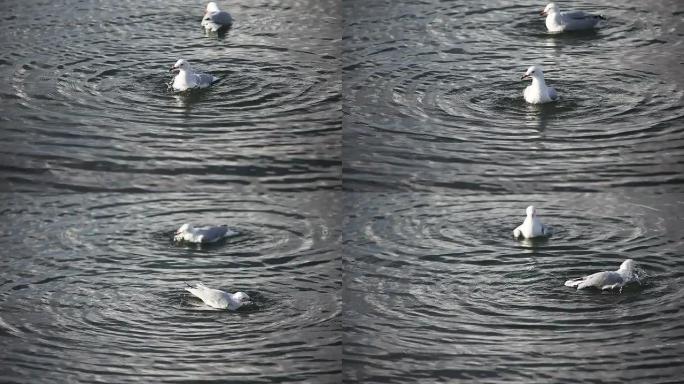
pixel 552 94
pixel 204 80
pixel 576 15
pixel 220 17
pixel 575 20
pixel 574 282
pixel 211 297
pixel 212 234
pixel 602 280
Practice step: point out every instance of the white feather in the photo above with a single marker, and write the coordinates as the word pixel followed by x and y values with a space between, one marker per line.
pixel 188 233
pixel 557 21
pixel 607 280
pixel 531 226
pixel 538 92
pixel 216 298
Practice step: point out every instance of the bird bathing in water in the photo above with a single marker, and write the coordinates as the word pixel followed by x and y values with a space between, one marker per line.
pixel 215 19
pixel 557 21
pixel 202 235
pixel 531 227
pixel 218 299
pixel 609 279
pixel 538 92
pixel 186 78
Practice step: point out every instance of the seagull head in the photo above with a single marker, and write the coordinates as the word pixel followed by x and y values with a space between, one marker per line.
pixel 550 8
pixel 533 72
pixel 184 228
pixel 530 211
pixel 181 65
pixel 241 297
pixel 212 7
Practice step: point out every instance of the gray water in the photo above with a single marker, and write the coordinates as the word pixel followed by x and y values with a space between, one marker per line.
pixel 86 106
pixel 375 157
pixel 100 163
pixel 93 289
pixel 441 158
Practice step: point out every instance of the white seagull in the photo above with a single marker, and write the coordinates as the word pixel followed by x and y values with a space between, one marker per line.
pixel 532 226
pixel 557 21
pixel 216 298
pixel 607 280
pixel 203 235
pixel 215 19
pixel 188 79
pixel 538 92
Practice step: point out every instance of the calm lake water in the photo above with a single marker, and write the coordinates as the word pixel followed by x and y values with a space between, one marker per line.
pixel 441 158
pixel 100 163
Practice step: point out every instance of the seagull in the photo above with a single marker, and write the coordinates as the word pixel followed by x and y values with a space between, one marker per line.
pixel 188 79
pixel 532 226
pixel 216 298
pixel 202 235
pixel 607 280
pixel 538 92
pixel 215 19
pixel 557 21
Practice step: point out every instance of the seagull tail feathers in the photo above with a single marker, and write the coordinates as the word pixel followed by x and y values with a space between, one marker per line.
pixel 195 290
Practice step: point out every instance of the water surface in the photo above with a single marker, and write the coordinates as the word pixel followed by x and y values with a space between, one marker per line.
pixel 441 158
pixel 100 163
pixel 87 106
pixel 92 289
pixel 437 289
pixel 434 98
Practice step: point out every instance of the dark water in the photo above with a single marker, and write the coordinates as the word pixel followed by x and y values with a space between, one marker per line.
pixel 441 157
pixel 434 98
pixel 437 288
pixel 86 105
pixel 93 289
pixel 100 163
pixel 379 149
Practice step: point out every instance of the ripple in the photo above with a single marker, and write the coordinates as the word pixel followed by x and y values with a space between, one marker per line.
pixel 92 91
pixel 511 27
pixel 109 288
pixel 441 276
pixel 440 105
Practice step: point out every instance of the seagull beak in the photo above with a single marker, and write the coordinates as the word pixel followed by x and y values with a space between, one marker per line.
pixel 173 69
pixel 543 13
pixel 525 76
